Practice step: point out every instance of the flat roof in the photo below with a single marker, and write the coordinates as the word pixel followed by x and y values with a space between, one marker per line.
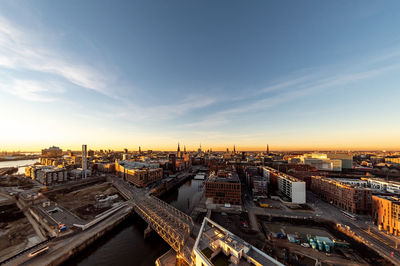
pixel 232 177
pixel 211 232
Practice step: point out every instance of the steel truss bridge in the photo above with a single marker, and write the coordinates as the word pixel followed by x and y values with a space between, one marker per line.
pixel 170 223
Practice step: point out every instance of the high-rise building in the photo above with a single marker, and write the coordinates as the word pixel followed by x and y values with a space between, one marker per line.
pixel 84 161
pixel 267 148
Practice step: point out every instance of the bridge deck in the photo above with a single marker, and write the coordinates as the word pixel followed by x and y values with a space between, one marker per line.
pixel 170 223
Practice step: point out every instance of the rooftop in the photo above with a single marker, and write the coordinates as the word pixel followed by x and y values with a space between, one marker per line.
pixel 223 176
pixel 135 165
pixel 213 239
pixel 282 175
pixel 390 198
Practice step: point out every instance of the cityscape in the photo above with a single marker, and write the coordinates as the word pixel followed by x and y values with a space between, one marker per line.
pixel 199 133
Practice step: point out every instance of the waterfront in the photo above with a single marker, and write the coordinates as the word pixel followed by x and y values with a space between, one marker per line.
pixel 19 163
pixel 125 244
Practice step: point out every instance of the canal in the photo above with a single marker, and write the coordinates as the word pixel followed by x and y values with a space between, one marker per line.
pixel 125 244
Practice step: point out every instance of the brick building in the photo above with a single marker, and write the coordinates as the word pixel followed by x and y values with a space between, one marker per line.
pixel 348 197
pixel 224 186
pixel 138 173
pixel 386 213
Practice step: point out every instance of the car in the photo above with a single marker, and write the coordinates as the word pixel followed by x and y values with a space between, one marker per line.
pixel 306 245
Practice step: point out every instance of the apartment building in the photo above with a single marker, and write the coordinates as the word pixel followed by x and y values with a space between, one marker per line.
pixel 47 175
pixel 386 213
pixel 346 196
pixel 291 187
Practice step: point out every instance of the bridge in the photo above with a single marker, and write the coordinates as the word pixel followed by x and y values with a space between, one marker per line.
pixel 170 223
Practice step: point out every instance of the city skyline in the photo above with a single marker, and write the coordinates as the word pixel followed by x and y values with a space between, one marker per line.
pixel 249 74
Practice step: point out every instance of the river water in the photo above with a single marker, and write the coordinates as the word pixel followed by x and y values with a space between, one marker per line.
pixel 21 170
pixel 125 244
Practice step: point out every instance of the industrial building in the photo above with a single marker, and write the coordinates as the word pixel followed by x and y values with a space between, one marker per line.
pixel 386 213
pixel 223 187
pixel 291 187
pixel 346 196
pixel 217 246
pixel 140 174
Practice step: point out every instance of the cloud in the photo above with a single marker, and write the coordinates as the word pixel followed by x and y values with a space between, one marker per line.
pixel 19 50
pixel 32 90
pixel 293 89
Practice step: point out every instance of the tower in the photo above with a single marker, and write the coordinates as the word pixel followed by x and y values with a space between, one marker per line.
pixel 140 150
pixel 179 148
pixel 184 149
pixel 234 149
pixel 267 148
pixel 84 161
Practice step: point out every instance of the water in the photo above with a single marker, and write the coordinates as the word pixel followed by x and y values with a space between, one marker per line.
pixel 21 170
pixel 125 244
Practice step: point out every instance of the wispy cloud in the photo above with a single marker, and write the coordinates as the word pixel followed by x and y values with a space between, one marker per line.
pixel 19 50
pixel 293 89
pixel 32 90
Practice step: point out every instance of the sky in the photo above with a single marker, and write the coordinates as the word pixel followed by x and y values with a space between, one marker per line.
pixel 122 74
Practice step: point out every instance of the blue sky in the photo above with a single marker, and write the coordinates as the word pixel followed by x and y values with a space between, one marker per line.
pixel 115 74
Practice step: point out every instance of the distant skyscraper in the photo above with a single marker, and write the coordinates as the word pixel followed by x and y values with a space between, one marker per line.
pixel 140 150
pixel 234 149
pixel 84 160
pixel 184 148
pixel 179 148
pixel 267 148
pixel 125 150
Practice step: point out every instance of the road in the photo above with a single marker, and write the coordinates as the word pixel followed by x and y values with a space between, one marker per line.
pixel 58 247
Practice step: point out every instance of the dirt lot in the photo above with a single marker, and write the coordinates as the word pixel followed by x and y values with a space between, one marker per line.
pixel 16 181
pixel 88 202
pixel 15 232
pixel 234 223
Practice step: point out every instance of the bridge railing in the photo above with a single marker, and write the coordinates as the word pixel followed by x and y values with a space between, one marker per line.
pixel 183 216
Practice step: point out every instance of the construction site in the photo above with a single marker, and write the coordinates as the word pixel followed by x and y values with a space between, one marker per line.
pixel 88 202
pixel 16 232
